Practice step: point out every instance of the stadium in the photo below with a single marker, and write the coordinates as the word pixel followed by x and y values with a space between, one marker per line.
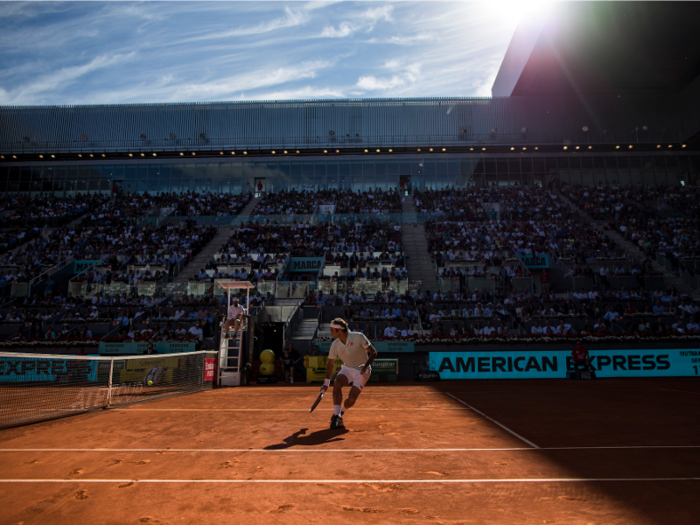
pixel 524 267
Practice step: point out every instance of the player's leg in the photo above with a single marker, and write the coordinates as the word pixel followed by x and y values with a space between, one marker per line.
pixel 341 381
pixel 358 384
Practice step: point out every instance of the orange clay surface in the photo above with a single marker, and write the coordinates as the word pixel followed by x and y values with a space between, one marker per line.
pixel 606 451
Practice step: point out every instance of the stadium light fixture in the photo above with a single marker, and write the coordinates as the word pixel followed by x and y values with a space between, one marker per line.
pixel 617 147
pixel 91 155
pixel 143 154
pixel 155 155
pixel 337 151
pixel 566 147
pixel 103 155
pixel 431 150
pixel 181 153
pixel 590 147
pixel 325 151
pixel 512 149
pixel 471 149
pixel 221 152
pixel 233 153
pixel 52 156
pixel 524 148
pixel 391 150
pixel 444 149
pixel 193 153
pixel 483 149
pixel 285 152
pixel 80 155
pixel 297 151
pixel 584 128
pixel 631 146
pixel 670 145
pixel 131 154
pixel 367 151
pixel 536 147
pixel 40 156
pixel 378 151
pixel 246 153
pixel 418 149
pixel 273 152
pixel 658 145
pixel 577 147
pixel 2 156
pixel 683 146
pixel 14 156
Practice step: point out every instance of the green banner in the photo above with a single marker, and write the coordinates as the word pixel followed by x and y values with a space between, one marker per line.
pixel 535 262
pixel 382 347
pixel 81 266
pixel 385 366
pixel 305 264
pixel 142 348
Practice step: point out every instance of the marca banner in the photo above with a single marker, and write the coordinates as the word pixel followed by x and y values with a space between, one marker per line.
pixel 142 348
pixel 382 347
pixel 81 266
pixel 555 363
pixel 25 369
pixel 305 264
pixel 535 262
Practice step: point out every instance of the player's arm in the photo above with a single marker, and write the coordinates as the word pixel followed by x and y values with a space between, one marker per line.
pixel 329 373
pixel 371 356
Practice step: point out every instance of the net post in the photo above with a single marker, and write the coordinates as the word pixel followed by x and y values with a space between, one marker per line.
pixel 109 384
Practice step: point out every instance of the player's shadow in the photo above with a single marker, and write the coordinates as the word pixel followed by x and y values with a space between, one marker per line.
pixel 319 437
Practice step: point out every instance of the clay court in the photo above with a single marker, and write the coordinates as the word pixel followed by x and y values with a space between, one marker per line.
pixel 609 451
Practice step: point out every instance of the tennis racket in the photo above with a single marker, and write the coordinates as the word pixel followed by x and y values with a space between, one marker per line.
pixel 318 400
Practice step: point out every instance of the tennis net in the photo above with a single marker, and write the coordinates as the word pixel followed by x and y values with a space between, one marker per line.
pixel 38 387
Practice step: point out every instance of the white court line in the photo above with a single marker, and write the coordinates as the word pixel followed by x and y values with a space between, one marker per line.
pixel 393 481
pixel 521 438
pixel 348 450
pixel 273 409
pixel 403 392
pixel 684 391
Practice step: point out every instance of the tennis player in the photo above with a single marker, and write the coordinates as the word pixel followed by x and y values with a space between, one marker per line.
pixel 357 354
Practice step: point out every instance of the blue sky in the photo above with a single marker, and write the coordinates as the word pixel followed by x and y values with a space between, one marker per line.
pixel 124 52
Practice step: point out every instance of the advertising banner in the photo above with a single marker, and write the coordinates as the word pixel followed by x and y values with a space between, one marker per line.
pixel 81 266
pixel 554 364
pixel 385 366
pixel 535 262
pixel 158 371
pixel 29 369
pixel 142 348
pixel 326 208
pixel 305 264
pixel 382 347
pixel 209 367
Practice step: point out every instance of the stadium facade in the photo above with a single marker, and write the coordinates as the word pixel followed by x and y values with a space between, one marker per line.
pixel 566 107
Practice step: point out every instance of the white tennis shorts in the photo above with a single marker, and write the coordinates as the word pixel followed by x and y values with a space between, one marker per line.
pixel 354 376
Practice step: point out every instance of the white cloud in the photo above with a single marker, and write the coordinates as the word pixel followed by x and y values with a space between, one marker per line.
pixel 61 79
pixel 306 92
pixel 293 18
pixel 366 21
pixel 344 29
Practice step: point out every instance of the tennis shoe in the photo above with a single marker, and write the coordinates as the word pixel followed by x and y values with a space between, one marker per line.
pixel 336 421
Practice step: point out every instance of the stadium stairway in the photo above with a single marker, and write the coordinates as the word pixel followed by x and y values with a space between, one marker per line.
pixel 630 249
pixel 247 211
pixel 421 269
pixel 179 284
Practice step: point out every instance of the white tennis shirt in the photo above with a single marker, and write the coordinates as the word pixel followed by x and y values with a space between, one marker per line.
pixel 354 352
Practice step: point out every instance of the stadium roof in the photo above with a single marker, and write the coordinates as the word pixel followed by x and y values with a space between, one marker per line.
pixel 589 47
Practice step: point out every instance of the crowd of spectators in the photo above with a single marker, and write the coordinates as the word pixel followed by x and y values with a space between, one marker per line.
pixel 346 201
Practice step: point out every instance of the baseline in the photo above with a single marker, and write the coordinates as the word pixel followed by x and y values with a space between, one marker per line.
pixel 392 481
